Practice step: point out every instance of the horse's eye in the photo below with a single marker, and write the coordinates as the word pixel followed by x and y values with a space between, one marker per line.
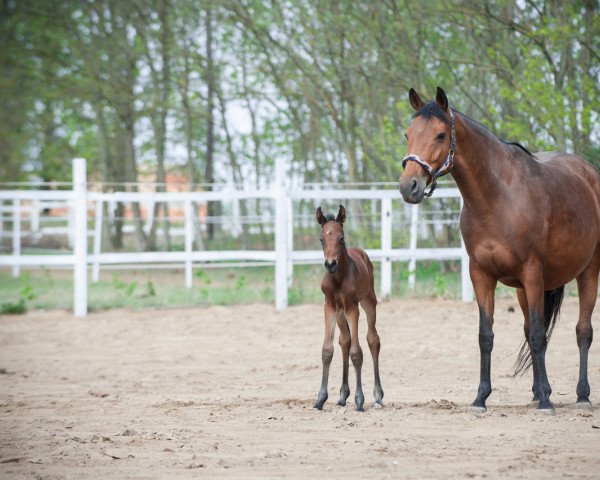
pixel 321 239
pixel 341 239
pixel 406 136
pixel 440 136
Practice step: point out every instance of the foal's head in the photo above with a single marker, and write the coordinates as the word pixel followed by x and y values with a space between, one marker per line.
pixel 430 146
pixel 332 237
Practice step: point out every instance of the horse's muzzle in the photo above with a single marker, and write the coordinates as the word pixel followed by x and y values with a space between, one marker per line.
pixel 412 189
pixel 331 265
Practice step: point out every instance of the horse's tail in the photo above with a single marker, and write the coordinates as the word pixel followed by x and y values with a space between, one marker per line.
pixel 552 302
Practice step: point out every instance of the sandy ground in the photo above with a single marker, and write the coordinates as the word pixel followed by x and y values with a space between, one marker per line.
pixel 228 392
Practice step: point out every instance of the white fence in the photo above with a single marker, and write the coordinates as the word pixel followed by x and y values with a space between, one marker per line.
pixel 283 256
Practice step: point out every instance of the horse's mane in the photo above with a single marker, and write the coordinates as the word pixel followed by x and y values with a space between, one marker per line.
pixel 432 109
pixel 330 217
pixel 517 144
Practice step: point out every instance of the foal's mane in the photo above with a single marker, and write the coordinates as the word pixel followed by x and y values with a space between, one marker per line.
pixel 432 109
pixel 330 217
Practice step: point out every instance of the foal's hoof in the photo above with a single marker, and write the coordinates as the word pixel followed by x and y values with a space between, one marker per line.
pixel 377 405
pixel 317 406
pixel 360 408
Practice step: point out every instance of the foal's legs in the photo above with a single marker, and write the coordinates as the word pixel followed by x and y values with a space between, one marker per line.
pixel 370 308
pixel 345 346
pixel 484 286
pixel 587 284
pixel 522 297
pixel 356 355
pixel 326 354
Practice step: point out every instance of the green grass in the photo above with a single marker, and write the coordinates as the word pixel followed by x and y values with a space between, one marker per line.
pixel 53 289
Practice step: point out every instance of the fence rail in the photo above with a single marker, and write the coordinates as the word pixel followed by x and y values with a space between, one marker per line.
pixel 283 256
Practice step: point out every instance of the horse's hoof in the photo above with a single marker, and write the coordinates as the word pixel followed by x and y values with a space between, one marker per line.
pixel 318 405
pixel 546 411
pixel 378 405
pixel 360 408
pixel 584 404
pixel 546 408
pixel 341 403
pixel 478 409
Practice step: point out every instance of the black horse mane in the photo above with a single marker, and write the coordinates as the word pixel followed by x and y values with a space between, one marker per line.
pixel 330 217
pixel 432 109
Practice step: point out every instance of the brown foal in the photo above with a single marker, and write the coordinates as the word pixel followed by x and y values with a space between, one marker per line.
pixel 529 221
pixel 347 282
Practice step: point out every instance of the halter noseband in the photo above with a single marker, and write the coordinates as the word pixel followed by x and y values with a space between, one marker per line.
pixel 444 167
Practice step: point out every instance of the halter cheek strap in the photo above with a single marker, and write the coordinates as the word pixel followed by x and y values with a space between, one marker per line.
pixel 445 167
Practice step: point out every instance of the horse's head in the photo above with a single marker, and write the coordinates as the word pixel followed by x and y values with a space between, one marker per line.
pixel 332 237
pixel 431 142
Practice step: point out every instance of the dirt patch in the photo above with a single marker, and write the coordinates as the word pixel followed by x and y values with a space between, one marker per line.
pixel 228 391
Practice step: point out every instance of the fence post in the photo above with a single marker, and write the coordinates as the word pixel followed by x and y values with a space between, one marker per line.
pixel 80 280
pixel 97 240
pixel 16 237
pixel 465 277
pixel 290 241
pixel 35 216
pixel 412 264
pixel 386 246
pixel 189 238
pixel 281 242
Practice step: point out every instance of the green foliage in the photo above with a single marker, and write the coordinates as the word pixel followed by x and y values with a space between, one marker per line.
pixel 13 308
pixel 150 290
pixel 26 294
pixel 202 276
pixel 126 288
pixel 318 81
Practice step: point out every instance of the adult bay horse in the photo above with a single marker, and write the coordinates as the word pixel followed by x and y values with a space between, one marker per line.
pixel 347 282
pixel 529 221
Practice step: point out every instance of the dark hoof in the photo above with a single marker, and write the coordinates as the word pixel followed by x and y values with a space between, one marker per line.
pixel 321 399
pixel 360 408
pixel 584 403
pixel 477 409
pixel 478 406
pixel 341 402
pixel 546 407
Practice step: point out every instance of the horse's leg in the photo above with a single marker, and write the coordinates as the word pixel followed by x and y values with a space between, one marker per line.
pixel 356 355
pixel 522 297
pixel 534 289
pixel 345 346
pixel 587 284
pixel 326 354
pixel 370 308
pixel 484 286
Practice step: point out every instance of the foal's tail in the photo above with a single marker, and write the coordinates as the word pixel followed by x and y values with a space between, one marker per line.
pixel 552 302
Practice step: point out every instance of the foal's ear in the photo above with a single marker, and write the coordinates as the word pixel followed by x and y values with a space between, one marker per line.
pixel 341 216
pixel 320 217
pixel 415 100
pixel 441 99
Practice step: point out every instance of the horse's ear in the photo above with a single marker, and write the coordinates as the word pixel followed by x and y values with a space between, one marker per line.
pixel 415 100
pixel 341 216
pixel 441 99
pixel 320 217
